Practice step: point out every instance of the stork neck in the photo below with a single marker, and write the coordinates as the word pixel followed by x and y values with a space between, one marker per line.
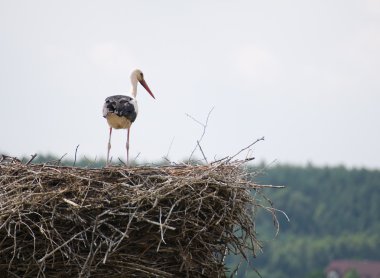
pixel 134 88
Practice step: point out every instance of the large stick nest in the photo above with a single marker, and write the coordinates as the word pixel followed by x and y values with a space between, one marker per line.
pixel 175 221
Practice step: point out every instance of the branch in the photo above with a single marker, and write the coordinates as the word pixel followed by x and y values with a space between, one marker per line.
pixel 122 161
pixel 239 152
pixel 75 158
pixel 202 152
pixel 170 147
pixel 203 133
pixel 33 156
pixel 155 223
pixel 137 156
pixel 62 245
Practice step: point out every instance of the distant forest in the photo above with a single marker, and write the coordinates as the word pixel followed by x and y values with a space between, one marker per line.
pixel 334 214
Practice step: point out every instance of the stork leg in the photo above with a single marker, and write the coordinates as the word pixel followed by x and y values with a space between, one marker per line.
pixel 127 145
pixel 109 147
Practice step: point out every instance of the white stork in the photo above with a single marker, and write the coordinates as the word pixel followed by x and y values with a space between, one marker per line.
pixel 121 111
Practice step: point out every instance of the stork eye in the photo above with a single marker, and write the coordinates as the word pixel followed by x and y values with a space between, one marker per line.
pixel 142 75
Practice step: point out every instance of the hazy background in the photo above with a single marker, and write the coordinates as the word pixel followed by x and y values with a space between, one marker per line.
pixel 304 74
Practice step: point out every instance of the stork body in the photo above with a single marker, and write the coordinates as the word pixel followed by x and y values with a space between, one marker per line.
pixel 121 111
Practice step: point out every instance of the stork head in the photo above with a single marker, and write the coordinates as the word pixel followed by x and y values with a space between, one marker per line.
pixel 137 75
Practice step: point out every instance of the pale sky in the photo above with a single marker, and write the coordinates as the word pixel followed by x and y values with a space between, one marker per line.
pixel 304 74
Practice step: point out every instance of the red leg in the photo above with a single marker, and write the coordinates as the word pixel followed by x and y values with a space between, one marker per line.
pixel 127 145
pixel 109 147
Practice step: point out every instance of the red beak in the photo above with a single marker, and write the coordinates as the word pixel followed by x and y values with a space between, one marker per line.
pixel 142 82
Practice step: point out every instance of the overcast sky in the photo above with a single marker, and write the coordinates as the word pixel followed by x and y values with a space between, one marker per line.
pixel 304 74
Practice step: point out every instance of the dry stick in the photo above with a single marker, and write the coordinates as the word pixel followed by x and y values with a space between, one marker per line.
pixel 137 156
pixel 58 161
pixel 126 231
pixel 14 244
pixel 71 203
pixel 30 160
pixel 133 159
pixel 195 120
pixel 239 152
pixel 75 158
pixel 161 230
pixel 59 247
pixel 265 168
pixel 204 129
pixel 202 152
pixel 155 223
pixel 219 160
pixel 166 157
pixel 271 209
pixel 122 161
pixel 234 272
pixel 271 186
pixel 91 247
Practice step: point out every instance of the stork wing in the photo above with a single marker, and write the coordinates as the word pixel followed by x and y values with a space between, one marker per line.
pixel 122 106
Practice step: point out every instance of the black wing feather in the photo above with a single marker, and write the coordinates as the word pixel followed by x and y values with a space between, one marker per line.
pixel 121 106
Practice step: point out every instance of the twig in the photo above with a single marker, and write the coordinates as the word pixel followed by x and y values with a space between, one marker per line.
pixel 219 160
pixel 91 246
pixel 195 120
pixel 239 152
pixel 279 210
pixel 33 156
pixel 64 244
pixel 271 186
pixel 60 160
pixel 203 133
pixel 126 231
pixel 122 161
pixel 75 158
pixel 137 156
pixel 234 272
pixel 199 145
pixel 170 147
pixel 155 223
pixel 71 203
pixel 161 230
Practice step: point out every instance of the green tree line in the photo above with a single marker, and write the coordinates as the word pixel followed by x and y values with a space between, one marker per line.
pixel 334 214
